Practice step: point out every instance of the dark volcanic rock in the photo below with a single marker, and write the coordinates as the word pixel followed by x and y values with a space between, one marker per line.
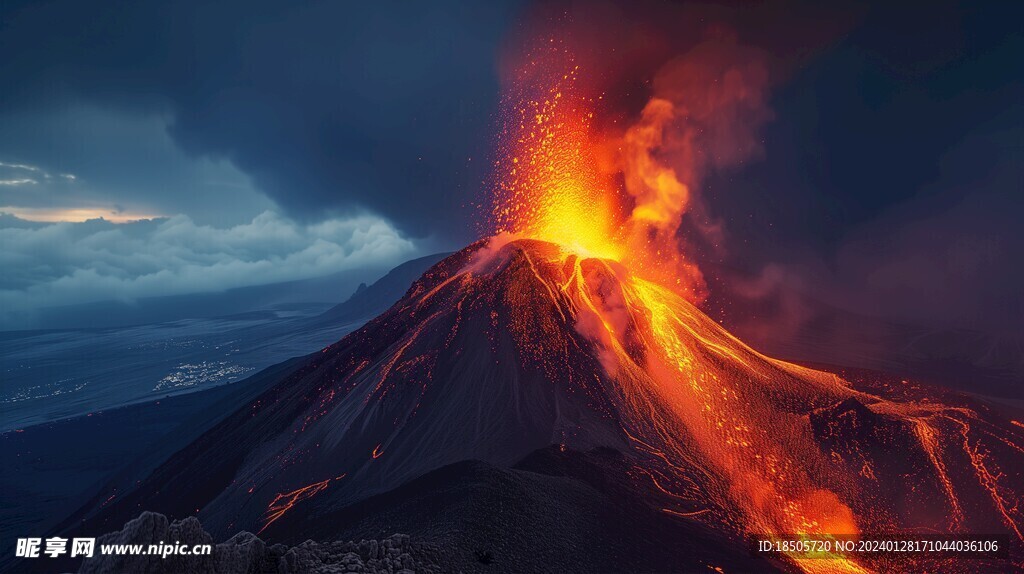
pixel 556 510
pixel 850 420
pixel 245 553
pixel 465 367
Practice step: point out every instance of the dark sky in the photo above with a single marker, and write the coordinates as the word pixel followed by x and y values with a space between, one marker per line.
pixel 890 182
pixel 893 181
pixel 324 107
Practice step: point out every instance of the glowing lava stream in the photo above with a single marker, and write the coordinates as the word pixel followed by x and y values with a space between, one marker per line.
pixel 712 392
pixel 700 402
pixel 693 396
pixel 284 502
pixel 551 190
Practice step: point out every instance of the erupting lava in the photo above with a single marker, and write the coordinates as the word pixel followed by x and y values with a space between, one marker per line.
pixel 551 188
pixel 555 184
pixel 764 435
pixel 576 325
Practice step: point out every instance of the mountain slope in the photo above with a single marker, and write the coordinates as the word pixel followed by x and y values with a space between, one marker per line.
pixel 510 346
pixel 375 299
pixel 555 511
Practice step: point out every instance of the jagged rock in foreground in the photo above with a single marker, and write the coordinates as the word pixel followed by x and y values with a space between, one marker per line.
pixel 245 552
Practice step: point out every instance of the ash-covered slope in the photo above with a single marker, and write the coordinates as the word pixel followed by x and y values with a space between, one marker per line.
pixel 459 369
pixel 512 345
pixel 375 299
pixel 555 511
pixel 245 553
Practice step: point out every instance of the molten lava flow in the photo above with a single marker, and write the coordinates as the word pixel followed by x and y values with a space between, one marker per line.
pixel 741 442
pixel 551 190
pixel 716 404
pixel 284 502
pixel 692 398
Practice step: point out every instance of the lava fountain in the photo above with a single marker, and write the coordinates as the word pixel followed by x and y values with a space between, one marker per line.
pixel 694 400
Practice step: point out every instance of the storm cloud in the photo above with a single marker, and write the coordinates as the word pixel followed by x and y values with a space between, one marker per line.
pixel 329 108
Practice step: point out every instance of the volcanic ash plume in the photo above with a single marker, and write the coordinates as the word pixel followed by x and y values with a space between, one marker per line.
pixel 706 112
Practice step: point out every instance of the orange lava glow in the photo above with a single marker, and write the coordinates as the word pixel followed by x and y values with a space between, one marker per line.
pixel 550 187
pixel 558 179
pixel 701 399
pixel 284 502
pixel 688 370
pixel 552 190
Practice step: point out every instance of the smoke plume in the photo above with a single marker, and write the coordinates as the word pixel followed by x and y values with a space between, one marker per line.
pixel 706 112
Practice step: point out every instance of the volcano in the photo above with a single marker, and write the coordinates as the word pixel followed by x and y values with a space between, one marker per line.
pixel 514 347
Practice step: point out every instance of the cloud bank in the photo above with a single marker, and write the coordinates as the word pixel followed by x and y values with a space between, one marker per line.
pixel 68 263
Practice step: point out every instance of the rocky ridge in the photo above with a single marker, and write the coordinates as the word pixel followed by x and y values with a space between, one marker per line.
pixel 246 553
